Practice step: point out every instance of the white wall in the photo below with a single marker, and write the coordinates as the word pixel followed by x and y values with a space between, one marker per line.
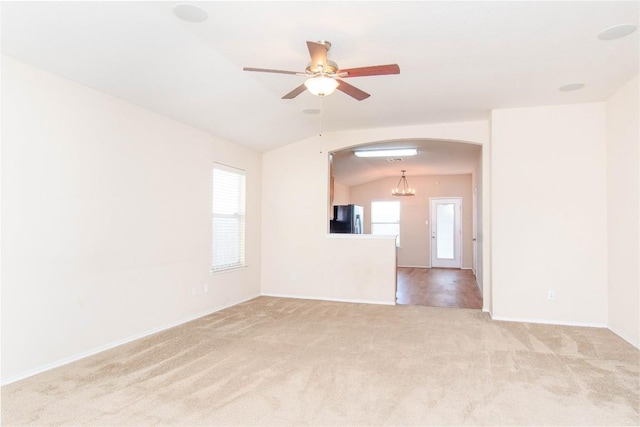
pixel 105 221
pixel 476 185
pixel 299 260
pixel 299 257
pixel 549 217
pixel 623 191
pixel 341 195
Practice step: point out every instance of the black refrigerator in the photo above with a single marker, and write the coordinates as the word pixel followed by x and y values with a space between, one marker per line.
pixel 347 219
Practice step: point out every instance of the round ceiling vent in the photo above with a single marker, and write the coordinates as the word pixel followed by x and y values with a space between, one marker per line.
pixel 190 13
pixel 571 86
pixel 617 31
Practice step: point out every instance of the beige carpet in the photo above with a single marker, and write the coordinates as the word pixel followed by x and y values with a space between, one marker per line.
pixel 274 361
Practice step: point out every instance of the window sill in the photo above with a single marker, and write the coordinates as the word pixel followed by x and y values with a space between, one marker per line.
pixel 360 236
pixel 227 270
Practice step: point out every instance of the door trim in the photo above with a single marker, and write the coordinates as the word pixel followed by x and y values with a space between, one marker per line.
pixel 474 234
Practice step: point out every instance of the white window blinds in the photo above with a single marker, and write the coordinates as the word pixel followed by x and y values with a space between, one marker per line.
pixel 228 217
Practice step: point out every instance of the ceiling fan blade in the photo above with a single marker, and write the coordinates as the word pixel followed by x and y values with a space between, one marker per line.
pixel 318 53
pixel 375 70
pixel 297 91
pixel 352 90
pixel 266 70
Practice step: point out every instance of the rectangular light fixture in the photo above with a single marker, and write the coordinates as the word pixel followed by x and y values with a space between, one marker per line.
pixel 397 152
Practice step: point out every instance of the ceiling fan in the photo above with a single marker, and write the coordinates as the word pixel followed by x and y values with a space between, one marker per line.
pixel 324 75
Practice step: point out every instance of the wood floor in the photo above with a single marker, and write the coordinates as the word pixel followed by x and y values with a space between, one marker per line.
pixel 438 287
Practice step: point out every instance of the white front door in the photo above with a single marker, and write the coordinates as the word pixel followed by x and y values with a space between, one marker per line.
pixel 446 232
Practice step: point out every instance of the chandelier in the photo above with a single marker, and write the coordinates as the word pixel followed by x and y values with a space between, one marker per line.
pixel 403 189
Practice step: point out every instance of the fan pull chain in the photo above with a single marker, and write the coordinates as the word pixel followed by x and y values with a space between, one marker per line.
pixel 321 114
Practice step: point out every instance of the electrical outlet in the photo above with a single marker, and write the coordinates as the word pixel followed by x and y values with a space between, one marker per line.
pixel 193 291
pixel 293 276
pixel 551 295
pixel 205 288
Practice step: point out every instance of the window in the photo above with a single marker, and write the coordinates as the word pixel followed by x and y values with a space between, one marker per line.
pixel 385 219
pixel 228 217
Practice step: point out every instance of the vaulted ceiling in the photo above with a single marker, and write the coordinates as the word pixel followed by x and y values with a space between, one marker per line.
pixel 458 60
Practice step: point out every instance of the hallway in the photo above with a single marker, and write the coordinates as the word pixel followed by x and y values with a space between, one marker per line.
pixel 438 287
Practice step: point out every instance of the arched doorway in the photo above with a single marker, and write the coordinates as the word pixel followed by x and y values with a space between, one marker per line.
pixel 440 168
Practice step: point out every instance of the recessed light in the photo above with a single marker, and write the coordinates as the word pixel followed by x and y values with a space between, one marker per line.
pixel 617 31
pixel 311 111
pixel 571 86
pixel 190 13
pixel 387 153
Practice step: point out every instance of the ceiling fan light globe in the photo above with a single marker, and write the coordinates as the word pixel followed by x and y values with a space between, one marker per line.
pixel 321 86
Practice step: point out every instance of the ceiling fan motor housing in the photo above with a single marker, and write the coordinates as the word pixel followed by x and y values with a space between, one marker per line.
pixel 314 69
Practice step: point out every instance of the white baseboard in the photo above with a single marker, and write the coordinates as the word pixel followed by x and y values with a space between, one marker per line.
pixel 624 337
pixel 549 322
pixel 357 301
pixel 100 349
pixel 479 289
pixel 428 266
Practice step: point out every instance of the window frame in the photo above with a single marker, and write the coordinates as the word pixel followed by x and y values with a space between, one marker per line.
pixel 397 222
pixel 239 216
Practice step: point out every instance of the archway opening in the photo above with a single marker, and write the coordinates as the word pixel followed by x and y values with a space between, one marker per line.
pixel 360 190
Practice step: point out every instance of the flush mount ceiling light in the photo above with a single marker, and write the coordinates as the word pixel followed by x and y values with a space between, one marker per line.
pixel 403 189
pixel 398 152
pixel 571 86
pixel 617 31
pixel 190 13
pixel 321 85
